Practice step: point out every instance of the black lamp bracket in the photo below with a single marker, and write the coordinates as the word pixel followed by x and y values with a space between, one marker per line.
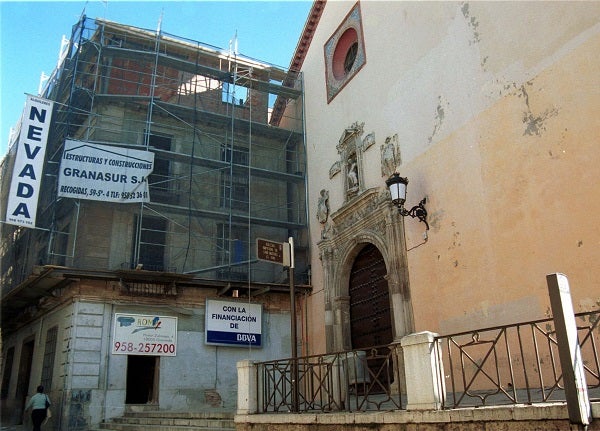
pixel 418 211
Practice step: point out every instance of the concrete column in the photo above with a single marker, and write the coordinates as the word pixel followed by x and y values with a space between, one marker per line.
pixel 569 350
pixel 424 370
pixel 247 402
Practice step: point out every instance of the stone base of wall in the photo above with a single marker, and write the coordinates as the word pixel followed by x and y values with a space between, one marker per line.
pixel 549 417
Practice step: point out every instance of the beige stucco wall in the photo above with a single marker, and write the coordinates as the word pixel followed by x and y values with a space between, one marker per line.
pixel 496 109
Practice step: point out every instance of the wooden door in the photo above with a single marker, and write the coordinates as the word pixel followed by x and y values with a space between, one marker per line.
pixel 370 315
pixel 371 320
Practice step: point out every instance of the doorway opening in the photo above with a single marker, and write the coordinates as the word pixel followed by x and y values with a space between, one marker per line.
pixel 142 379
pixel 24 373
pixel 370 313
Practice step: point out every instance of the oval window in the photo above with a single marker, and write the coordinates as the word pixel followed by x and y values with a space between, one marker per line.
pixel 344 55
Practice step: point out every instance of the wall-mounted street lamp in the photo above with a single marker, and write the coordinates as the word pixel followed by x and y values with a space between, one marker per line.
pixel 397 186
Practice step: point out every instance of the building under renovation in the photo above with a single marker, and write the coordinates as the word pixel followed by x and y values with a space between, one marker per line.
pixel 165 160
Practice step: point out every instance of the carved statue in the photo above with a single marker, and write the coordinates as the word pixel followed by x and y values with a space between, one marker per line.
pixel 390 156
pixel 352 174
pixel 323 206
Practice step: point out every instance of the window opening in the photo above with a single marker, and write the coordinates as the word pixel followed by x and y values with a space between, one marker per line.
pixel 350 57
pixel 153 238
pixel 232 252
pixel 345 54
pixel 49 355
pixel 233 93
pixel 159 181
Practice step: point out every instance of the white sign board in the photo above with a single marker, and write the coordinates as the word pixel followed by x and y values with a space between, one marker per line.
pixel 233 323
pixel 104 173
pixel 139 334
pixel 29 162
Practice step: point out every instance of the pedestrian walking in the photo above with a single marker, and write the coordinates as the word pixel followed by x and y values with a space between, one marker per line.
pixel 39 404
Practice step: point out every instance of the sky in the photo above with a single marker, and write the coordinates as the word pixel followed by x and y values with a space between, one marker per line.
pixel 31 33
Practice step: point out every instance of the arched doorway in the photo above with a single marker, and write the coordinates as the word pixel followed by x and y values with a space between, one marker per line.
pixel 370 314
pixel 365 276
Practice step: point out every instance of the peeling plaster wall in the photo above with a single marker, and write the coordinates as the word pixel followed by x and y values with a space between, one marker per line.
pixel 524 206
pixel 495 105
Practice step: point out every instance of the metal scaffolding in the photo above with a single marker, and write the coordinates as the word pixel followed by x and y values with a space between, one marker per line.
pixel 226 171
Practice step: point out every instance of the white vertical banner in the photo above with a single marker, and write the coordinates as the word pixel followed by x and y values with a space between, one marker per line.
pixel 29 163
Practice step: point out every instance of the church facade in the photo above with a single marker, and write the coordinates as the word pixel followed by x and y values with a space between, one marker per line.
pixel 488 110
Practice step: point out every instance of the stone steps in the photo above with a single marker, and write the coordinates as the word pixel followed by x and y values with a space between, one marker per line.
pixel 170 421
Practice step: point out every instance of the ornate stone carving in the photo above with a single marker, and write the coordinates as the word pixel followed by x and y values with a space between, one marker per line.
pixel 379 228
pixel 351 148
pixel 335 169
pixel 390 156
pixel 327 254
pixel 368 141
pixel 361 210
pixel 328 230
pixel 323 206
pixel 368 217
pixel 350 151
pixel 347 142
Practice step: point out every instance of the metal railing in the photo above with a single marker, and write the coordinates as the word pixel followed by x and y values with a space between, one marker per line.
pixel 513 364
pixel 503 365
pixel 357 380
